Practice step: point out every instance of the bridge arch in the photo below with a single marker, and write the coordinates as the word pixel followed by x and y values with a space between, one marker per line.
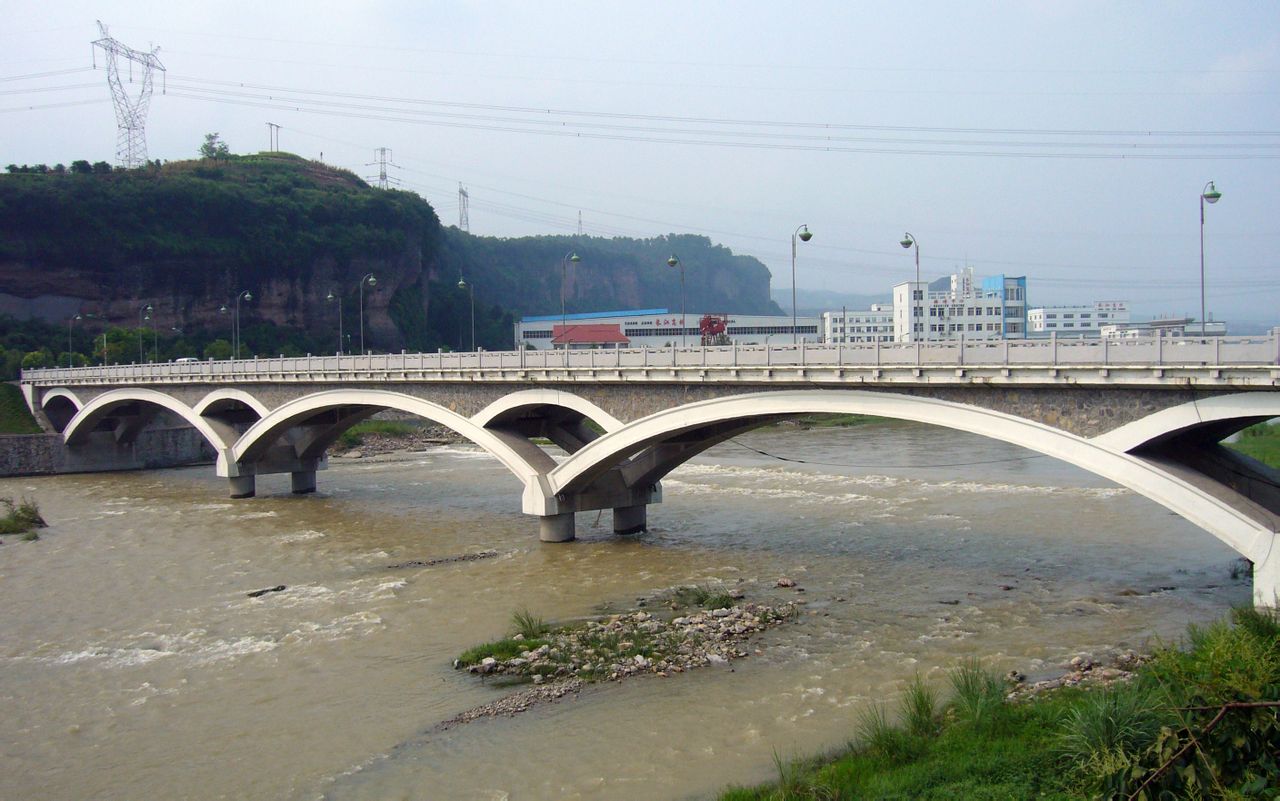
pixel 526 461
pixel 60 406
pixel 92 413
pixel 512 405
pixel 1218 416
pixel 221 399
pixel 709 420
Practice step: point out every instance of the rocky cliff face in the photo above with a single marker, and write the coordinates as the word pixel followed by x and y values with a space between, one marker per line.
pixel 187 238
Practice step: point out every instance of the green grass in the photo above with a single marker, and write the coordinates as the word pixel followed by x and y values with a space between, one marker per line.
pixel 498 649
pixel 1261 442
pixel 15 417
pixel 352 437
pixel 706 597
pixel 1072 743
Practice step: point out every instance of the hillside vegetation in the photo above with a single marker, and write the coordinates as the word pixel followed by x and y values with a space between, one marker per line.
pixel 185 238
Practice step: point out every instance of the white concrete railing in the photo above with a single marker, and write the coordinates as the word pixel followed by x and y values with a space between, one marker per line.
pixel 1157 351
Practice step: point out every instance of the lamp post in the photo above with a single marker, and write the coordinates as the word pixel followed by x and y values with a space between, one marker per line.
pixel 70 322
pixel 104 348
pixel 144 313
pixel 371 281
pixel 338 300
pixel 907 241
pixel 1209 194
pixel 675 262
pixel 805 236
pixel 564 264
pixel 462 284
pixel 246 295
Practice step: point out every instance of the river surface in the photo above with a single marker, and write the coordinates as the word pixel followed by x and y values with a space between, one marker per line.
pixel 133 665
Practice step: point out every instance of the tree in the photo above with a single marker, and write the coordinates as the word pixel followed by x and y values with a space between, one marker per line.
pixel 81 167
pixel 214 147
pixel 101 167
pixel 218 349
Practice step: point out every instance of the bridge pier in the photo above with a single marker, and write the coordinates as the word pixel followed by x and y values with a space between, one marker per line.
pixel 556 528
pixel 243 486
pixel 630 519
pixel 302 481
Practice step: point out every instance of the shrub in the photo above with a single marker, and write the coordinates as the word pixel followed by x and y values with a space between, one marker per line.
pixel 20 518
pixel 529 625
pixel 920 708
pixel 978 694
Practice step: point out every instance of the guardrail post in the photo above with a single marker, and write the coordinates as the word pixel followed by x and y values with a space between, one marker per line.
pixel 1106 350
pixel 1217 350
pixel 1159 347
pixel 1053 347
pixel 961 359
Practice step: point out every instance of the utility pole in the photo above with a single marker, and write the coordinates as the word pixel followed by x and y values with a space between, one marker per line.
pixel 579 223
pixel 382 157
pixel 273 134
pixel 464 209
pixel 131 114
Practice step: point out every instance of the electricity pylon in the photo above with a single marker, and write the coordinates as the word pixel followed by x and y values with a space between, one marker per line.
pixel 131 113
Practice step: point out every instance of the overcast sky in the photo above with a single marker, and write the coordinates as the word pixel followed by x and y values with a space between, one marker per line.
pixel 1067 141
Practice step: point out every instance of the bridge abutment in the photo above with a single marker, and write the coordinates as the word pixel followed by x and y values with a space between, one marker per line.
pixel 557 528
pixel 1266 581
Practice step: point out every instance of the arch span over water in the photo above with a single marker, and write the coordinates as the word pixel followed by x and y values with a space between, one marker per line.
pixel 1242 532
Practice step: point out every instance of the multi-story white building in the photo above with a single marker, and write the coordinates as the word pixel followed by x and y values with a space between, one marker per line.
pixel 859 325
pixel 955 306
pixel 1085 320
pixel 655 328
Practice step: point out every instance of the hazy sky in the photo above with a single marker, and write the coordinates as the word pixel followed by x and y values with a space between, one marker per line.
pixel 1067 141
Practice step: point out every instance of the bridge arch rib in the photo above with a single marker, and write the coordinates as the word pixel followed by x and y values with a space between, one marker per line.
pixel 637 448
pixel 108 403
pixel 329 413
pixel 60 406
pixel 1217 417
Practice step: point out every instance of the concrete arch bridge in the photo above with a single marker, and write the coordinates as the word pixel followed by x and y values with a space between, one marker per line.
pixel 1148 415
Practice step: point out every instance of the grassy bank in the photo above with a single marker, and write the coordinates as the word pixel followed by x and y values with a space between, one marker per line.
pixel 15 417
pixel 355 435
pixel 1261 442
pixel 1200 720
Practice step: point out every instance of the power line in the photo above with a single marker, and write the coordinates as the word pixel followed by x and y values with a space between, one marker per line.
pixel 131 113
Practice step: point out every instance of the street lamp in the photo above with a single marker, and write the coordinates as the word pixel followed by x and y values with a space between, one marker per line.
pixel 338 300
pixel 907 241
pixel 1210 194
pixel 805 236
pixel 143 314
pixel 462 284
pixel 247 296
pixel 564 263
pixel 70 322
pixel 371 281
pixel 674 262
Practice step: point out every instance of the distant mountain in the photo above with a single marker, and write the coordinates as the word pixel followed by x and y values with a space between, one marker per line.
pixel 815 301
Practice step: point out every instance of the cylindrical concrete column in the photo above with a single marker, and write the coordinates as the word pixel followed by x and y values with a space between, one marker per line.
pixel 556 528
pixel 630 519
pixel 303 481
pixel 243 486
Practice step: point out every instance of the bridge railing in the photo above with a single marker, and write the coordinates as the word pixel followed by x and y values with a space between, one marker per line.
pixel 1150 351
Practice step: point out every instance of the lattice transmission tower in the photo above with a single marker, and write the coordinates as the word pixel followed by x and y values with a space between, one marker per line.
pixel 131 113
pixel 383 158
pixel 464 209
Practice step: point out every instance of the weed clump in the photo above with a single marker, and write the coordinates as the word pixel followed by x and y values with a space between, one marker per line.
pixel 22 518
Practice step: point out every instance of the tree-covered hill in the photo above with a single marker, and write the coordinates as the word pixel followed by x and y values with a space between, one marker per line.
pixel 166 247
